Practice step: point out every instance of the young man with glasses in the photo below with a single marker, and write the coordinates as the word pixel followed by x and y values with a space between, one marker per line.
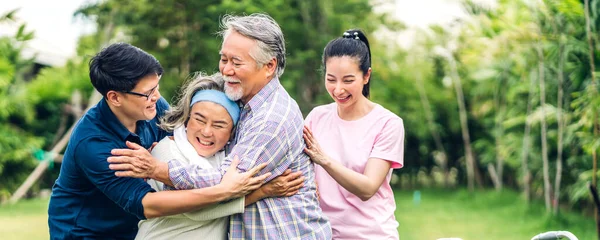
pixel 88 201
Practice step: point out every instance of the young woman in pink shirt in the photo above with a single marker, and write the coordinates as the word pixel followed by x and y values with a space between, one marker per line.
pixel 355 143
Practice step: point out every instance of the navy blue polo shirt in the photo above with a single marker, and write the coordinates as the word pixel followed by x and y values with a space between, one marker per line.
pixel 88 200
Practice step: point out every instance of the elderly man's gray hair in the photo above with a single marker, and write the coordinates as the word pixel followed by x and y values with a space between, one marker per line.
pixel 266 32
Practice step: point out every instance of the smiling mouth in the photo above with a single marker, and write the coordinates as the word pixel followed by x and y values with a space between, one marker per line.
pixel 344 98
pixel 205 143
pixel 151 107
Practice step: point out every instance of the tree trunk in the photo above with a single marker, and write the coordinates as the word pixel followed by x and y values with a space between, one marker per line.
pixel 314 15
pixel 460 98
pixel 497 172
pixel 526 143
pixel 443 157
pixel 594 174
pixel 183 44
pixel 561 126
pixel 547 186
pixel 593 72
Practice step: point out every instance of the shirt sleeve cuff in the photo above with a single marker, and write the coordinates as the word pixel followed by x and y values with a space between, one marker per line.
pixel 396 164
pixel 139 211
pixel 177 174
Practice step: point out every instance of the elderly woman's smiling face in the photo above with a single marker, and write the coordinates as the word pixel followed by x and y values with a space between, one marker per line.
pixel 209 128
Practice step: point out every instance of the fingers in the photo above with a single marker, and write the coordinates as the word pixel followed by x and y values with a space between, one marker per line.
pixel 286 172
pixel 296 184
pixel 308 131
pixel 120 159
pixel 257 169
pixel 256 182
pixel 133 145
pixel 293 176
pixel 294 190
pixel 121 167
pixel 307 135
pixel 125 174
pixel 292 193
pixel 260 179
pixel 123 152
pixel 234 164
pixel 308 152
pixel 308 139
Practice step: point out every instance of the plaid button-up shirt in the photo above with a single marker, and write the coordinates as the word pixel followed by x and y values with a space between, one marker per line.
pixel 269 131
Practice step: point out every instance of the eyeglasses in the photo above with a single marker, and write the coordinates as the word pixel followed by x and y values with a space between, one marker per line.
pixel 144 95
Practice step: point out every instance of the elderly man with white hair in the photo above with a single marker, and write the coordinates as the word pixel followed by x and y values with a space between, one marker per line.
pixel 269 131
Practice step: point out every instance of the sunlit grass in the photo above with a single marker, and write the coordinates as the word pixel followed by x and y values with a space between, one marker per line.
pixel 441 213
pixel 27 219
pixel 483 215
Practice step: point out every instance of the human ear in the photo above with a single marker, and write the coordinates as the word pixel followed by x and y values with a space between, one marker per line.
pixel 271 66
pixel 367 76
pixel 114 98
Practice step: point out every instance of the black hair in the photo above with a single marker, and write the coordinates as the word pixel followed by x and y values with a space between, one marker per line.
pixel 353 43
pixel 120 66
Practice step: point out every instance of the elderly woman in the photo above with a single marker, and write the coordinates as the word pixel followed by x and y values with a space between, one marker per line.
pixel 202 123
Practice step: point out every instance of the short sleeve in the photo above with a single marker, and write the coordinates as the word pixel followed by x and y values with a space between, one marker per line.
pixel 91 155
pixel 389 143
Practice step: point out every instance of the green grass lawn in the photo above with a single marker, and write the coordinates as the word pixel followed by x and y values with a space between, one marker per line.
pixel 441 213
pixel 27 219
pixel 485 215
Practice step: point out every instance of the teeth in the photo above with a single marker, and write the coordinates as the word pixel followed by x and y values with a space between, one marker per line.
pixel 204 143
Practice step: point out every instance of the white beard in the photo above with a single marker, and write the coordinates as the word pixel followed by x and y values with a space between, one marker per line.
pixel 234 94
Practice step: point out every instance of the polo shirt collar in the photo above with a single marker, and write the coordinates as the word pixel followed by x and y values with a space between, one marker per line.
pixel 110 120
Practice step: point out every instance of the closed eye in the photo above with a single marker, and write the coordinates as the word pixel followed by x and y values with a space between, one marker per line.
pixel 200 120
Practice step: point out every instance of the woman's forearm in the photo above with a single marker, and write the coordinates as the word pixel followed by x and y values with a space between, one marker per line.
pixel 363 185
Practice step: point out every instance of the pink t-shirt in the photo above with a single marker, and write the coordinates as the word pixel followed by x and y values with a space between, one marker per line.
pixel 379 134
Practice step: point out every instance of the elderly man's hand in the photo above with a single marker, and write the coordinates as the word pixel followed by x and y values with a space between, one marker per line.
pixel 285 185
pixel 135 162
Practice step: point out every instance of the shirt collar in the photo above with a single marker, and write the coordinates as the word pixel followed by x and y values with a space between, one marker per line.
pixel 112 122
pixel 263 94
